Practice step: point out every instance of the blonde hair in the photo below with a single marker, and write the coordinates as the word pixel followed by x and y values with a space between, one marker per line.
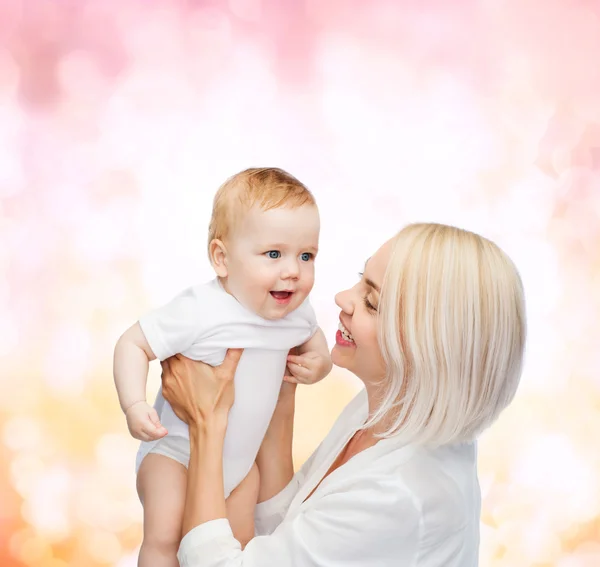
pixel 452 332
pixel 266 187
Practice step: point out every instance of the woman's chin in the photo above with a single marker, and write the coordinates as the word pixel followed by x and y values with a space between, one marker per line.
pixel 340 358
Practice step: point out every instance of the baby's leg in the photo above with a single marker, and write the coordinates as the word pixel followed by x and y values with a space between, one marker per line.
pixel 161 484
pixel 240 507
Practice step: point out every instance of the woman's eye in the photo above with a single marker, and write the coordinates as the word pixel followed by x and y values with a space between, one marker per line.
pixel 274 254
pixel 306 256
pixel 368 304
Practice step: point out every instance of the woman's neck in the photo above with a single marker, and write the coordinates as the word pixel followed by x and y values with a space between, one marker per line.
pixel 374 397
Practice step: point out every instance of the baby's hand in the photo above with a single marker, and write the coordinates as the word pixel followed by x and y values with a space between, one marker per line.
pixel 143 422
pixel 307 368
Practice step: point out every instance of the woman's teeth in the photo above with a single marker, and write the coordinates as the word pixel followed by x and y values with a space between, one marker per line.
pixel 347 336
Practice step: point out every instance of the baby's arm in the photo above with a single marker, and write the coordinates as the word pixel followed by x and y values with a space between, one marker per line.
pixel 317 343
pixel 130 369
pixel 312 361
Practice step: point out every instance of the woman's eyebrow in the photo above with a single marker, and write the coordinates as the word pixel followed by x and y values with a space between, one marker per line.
pixel 372 284
pixel 368 281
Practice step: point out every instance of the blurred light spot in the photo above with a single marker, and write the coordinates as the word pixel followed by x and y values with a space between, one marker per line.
pixel 22 433
pixel 29 548
pixel 67 359
pixel 46 507
pixel 114 451
pixel 105 498
pixel 541 543
pixel 25 471
pixel 9 335
pixel 254 77
pixel 9 74
pixel 79 76
pixel 586 555
pixel 4 290
pixel 570 479
pixel 104 547
pixel 111 293
pixel 105 235
pixel 53 562
pixel 17 540
pixel 11 167
pixel 130 560
pixel 250 10
pixel 35 551
pixel 209 28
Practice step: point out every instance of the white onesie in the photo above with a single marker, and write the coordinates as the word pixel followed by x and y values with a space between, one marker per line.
pixel 201 323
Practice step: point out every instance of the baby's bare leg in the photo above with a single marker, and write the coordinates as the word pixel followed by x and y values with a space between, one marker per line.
pixel 161 484
pixel 240 507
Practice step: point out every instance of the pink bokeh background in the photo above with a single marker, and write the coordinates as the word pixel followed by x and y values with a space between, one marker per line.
pixel 118 121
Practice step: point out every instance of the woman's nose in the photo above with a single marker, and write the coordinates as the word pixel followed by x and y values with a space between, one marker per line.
pixel 343 300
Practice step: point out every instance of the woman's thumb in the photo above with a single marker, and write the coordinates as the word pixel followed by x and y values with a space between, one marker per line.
pixel 231 359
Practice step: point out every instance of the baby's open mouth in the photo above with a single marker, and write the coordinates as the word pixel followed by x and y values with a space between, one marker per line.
pixel 281 295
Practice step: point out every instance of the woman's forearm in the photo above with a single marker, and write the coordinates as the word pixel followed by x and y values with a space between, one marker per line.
pixel 205 498
pixel 274 459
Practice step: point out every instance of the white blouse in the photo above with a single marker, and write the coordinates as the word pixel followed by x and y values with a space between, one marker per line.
pixel 389 505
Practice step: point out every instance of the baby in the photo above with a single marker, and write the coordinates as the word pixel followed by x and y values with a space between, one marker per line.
pixel 263 239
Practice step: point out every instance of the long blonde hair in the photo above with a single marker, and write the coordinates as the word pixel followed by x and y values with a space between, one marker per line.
pixel 452 332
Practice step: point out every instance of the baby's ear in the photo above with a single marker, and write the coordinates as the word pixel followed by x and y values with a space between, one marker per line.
pixel 218 257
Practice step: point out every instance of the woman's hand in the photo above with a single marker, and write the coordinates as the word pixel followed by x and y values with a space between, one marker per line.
pixel 200 393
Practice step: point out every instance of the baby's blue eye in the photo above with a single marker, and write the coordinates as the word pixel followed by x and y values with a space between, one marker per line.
pixel 274 254
pixel 306 256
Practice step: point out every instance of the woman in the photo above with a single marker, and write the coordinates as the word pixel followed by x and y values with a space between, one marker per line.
pixel 435 329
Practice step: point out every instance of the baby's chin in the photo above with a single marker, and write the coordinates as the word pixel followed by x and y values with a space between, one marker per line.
pixel 273 313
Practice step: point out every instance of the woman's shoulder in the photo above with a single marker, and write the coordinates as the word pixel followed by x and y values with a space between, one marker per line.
pixel 444 485
pixel 431 495
pixel 439 489
pixel 441 483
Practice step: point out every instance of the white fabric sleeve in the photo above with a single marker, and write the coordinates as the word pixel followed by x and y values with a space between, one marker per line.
pixel 314 325
pixel 270 513
pixel 174 327
pixel 374 523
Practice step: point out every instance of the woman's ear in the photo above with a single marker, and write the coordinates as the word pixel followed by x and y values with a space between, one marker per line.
pixel 218 257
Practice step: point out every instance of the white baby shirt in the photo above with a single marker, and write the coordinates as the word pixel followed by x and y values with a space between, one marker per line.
pixel 202 322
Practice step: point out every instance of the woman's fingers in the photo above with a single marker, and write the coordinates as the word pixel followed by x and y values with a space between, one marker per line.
pixel 166 376
pixel 166 364
pixel 197 390
pixel 229 364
